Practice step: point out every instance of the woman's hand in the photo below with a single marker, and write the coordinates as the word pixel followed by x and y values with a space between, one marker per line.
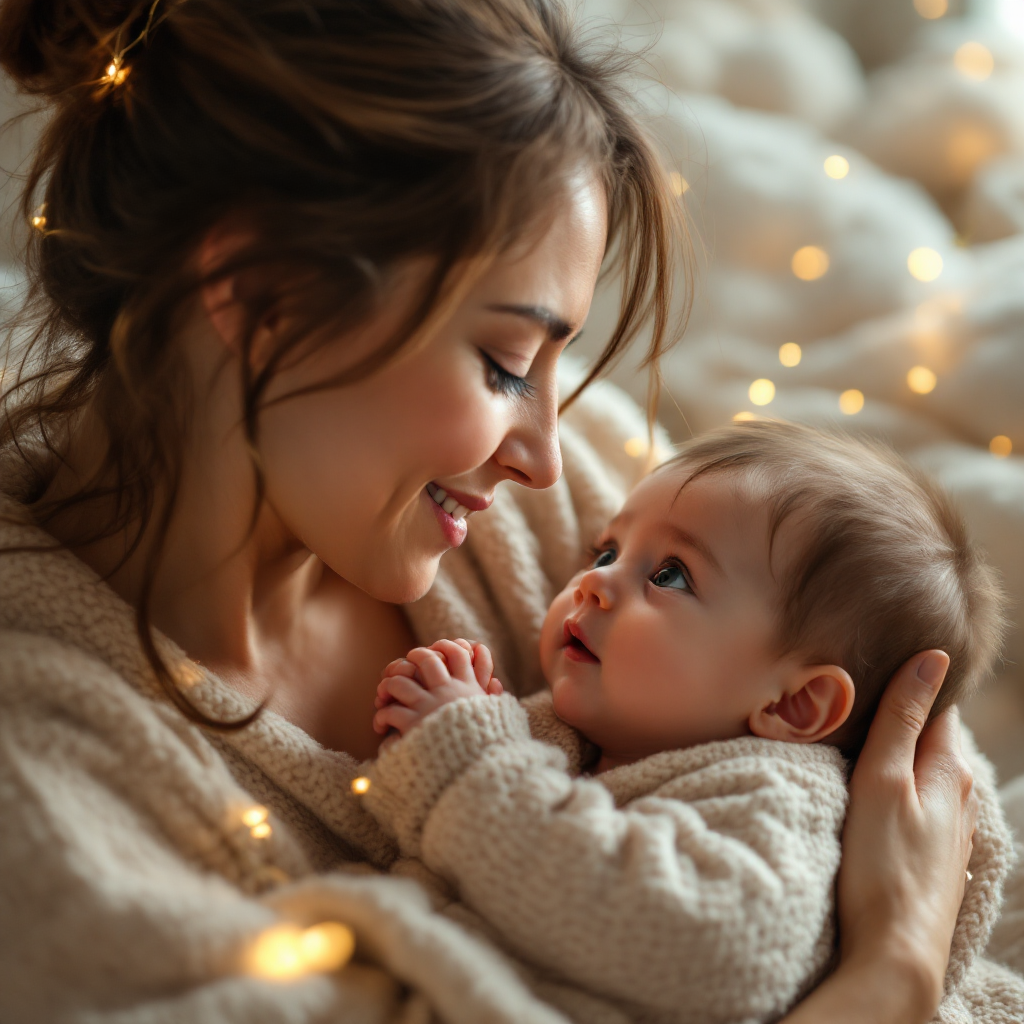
pixel 906 846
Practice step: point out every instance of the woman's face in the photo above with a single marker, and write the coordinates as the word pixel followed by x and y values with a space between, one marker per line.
pixel 353 472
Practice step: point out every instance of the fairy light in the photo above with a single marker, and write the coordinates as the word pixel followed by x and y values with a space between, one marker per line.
pixel 254 816
pixel 810 263
pixel 116 72
pixel 851 402
pixel 761 392
pixel 261 831
pixel 837 167
pixel 790 354
pixel 287 951
pixel 38 219
pixel 361 785
pixel 974 61
pixel 921 380
pixel 924 264
pixel 932 9
pixel 680 186
pixel 1000 446
pixel 744 417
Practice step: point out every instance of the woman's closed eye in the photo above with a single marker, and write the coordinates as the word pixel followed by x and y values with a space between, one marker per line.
pixel 504 383
pixel 672 577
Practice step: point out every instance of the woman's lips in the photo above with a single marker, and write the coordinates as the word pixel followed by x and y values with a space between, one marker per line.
pixel 454 530
pixel 575 645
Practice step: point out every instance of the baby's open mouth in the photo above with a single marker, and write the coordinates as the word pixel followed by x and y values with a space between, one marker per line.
pixel 575 645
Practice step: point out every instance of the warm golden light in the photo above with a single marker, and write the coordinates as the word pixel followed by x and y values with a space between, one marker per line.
pixel 974 61
pixel 679 184
pixel 924 264
pixel 287 951
pixel 39 222
pixel 636 447
pixel 326 947
pixel 744 417
pixel 762 392
pixel 837 167
pixel 931 9
pixel 810 263
pixel 115 73
pixel 790 354
pixel 851 402
pixel 261 831
pixel 361 785
pixel 921 380
pixel 1000 446
pixel 255 815
pixel 968 146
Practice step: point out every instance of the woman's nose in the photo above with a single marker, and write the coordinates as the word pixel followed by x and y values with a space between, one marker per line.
pixel 595 585
pixel 530 453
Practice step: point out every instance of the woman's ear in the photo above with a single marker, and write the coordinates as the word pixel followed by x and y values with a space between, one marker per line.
pixel 818 701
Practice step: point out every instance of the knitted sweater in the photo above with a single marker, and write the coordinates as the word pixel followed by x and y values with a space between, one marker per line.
pixel 130 886
pixel 692 886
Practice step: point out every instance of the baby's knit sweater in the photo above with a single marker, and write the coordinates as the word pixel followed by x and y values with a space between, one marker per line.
pixel 692 886
pixel 695 885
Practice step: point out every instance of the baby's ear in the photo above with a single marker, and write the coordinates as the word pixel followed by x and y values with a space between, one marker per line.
pixel 818 699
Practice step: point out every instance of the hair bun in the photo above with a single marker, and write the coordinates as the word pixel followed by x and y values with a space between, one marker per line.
pixel 52 46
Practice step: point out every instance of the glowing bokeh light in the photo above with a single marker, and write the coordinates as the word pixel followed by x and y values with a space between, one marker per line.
pixel 790 354
pixel 968 146
pixel 636 447
pixel 851 402
pixel 932 9
pixel 924 264
pixel 1000 446
pixel 921 380
pixel 261 831
pixel 974 61
pixel 744 417
pixel 761 392
pixel 837 167
pixel 810 263
pixel 361 785
pixel 255 815
pixel 680 186
pixel 286 951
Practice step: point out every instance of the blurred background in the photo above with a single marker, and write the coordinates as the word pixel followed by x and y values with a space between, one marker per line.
pixel 853 171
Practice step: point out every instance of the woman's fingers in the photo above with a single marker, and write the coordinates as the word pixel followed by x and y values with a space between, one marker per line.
pixel 903 712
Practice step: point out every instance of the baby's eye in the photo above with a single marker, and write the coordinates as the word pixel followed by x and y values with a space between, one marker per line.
pixel 604 558
pixel 672 577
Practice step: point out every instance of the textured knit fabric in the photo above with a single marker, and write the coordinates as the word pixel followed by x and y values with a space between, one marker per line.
pixel 130 888
pixel 692 886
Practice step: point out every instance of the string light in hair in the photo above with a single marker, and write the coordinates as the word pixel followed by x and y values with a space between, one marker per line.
pixel 116 72
pixel 38 219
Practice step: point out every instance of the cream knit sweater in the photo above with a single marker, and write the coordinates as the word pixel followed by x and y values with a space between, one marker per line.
pixel 695 886
pixel 130 888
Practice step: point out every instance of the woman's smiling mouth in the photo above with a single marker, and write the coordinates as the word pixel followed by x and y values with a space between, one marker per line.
pixel 575 645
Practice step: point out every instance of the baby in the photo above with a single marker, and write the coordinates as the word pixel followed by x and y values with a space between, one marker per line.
pixel 713 669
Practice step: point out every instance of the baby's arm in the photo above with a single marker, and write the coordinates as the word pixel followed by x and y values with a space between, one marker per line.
pixel 717 903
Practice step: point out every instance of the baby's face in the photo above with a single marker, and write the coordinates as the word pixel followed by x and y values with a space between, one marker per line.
pixel 667 639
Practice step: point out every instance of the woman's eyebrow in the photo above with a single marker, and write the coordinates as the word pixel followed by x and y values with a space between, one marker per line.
pixel 554 326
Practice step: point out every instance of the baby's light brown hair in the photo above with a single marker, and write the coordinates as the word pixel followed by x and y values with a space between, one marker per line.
pixel 884 568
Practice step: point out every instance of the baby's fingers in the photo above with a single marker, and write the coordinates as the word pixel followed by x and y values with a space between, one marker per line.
pixel 394 716
pixel 483 665
pixel 494 687
pixel 400 667
pixel 401 689
pixel 458 656
pixel 431 666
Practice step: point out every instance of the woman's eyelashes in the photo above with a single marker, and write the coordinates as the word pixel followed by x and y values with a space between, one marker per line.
pixel 503 382
pixel 672 576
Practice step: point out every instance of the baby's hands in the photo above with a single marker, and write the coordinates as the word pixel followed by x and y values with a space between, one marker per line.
pixel 427 678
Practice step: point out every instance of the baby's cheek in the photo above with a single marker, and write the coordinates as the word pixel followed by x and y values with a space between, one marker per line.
pixel 551 633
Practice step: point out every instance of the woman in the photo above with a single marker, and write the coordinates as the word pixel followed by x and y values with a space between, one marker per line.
pixel 302 267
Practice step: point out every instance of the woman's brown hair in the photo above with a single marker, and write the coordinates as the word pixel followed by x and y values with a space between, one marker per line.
pixel 343 137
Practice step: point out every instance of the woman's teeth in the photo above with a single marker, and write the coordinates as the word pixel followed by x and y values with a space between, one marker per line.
pixel 450 505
